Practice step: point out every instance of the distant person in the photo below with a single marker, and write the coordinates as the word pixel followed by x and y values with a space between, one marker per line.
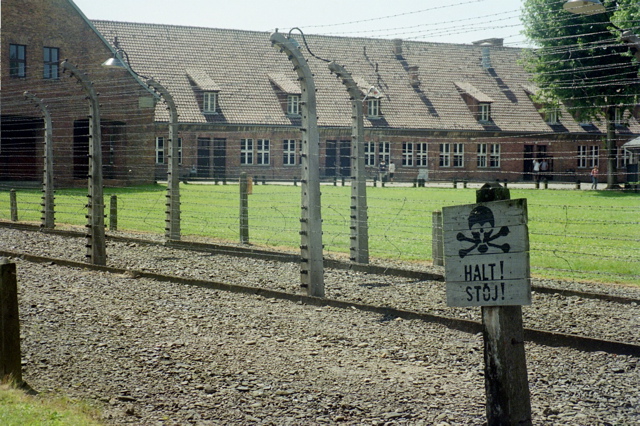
pixel 382 170
pixel 594 177
pixel 392 171
pixel 544 168
pixel 536 169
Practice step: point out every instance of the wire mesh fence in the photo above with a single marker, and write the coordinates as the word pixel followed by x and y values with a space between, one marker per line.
pixel 585 235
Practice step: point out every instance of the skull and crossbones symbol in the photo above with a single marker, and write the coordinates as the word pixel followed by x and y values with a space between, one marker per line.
pixel 481 225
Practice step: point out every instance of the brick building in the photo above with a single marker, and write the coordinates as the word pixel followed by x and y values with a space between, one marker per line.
pixel 37 35
pixel 445 111
pixel 442 111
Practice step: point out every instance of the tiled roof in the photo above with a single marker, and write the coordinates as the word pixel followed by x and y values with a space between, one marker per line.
pixel 242 65
pixel 285 83
pixel 202 79
pixel 470 90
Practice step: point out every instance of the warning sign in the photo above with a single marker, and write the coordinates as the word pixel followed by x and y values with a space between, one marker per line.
pixel 486 251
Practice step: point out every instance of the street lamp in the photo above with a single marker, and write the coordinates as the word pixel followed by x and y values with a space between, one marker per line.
pixel 594 7
pixel 584 7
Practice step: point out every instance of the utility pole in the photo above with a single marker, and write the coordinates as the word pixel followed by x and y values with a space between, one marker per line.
pixel 359 220
pixel 96 247
pixel 172 221
pixel 47 218
pixel 311 267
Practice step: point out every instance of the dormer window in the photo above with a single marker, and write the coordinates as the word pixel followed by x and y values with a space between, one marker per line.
pixel 484 112
pixel 287 90
pixel 479 103
pixel 548 108
pixel 551 116
pixel 293 104
pixel 373 108
pixel 205 90
pixel 210 102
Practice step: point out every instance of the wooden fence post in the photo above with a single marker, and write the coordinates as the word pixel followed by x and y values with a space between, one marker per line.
pixel 437 241
pixel 113 213
pixel 13 202
pixel 505 368
pixel 10 358
pixel 244 209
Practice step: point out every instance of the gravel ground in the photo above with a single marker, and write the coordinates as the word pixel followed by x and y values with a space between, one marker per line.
pixel 158 353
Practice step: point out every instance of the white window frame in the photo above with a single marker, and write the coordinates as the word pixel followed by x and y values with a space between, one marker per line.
pixel 293 104
pixel 445 155
pixel 210 102
pixel 494 156
pixel 484 112
pixel 482 156
pixel 551 116
pixel 160 148
pixel 263 152
pixel 384 152
pixel 458 155
pixel 407 154
pixel 373 107
pixel 289 152
pixel 588 156
pixel 422 154
pixel 246 152
pixel 370 154
pixel 624 158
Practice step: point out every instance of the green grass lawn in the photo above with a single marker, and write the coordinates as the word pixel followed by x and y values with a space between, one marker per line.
pixel 19 409
pixel 585 235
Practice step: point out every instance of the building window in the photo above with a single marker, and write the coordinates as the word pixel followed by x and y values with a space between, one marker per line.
pixel 422 154
pixel 161 153
pixel 619 116
pixel 588 156
pixel 289 152
pixel 51 63
pixel 369 154
pixel 624 158
pixel 17 60
pixel 551 116
pixel 488 155
pixel 482 155
pixel 458 155
pixel 373 108
pixel 445 155
pixel 263 151
pixel 246 151
pixel 494 155
pixel 384 152
pixel 407 154
pixel 210 102
pixel 484 112
pixel 159 150
pixel 293 104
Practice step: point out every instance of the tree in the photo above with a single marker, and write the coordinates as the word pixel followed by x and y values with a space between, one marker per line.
pixel 582 61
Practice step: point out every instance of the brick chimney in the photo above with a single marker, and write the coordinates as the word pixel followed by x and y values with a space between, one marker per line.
pixel 397 47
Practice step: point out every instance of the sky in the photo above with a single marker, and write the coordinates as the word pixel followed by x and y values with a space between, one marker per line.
pixel 446 21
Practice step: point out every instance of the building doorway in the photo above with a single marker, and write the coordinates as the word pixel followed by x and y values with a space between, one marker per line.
pixel 18 159
pixel 338 158
pixel 219 158
pixel 204 158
